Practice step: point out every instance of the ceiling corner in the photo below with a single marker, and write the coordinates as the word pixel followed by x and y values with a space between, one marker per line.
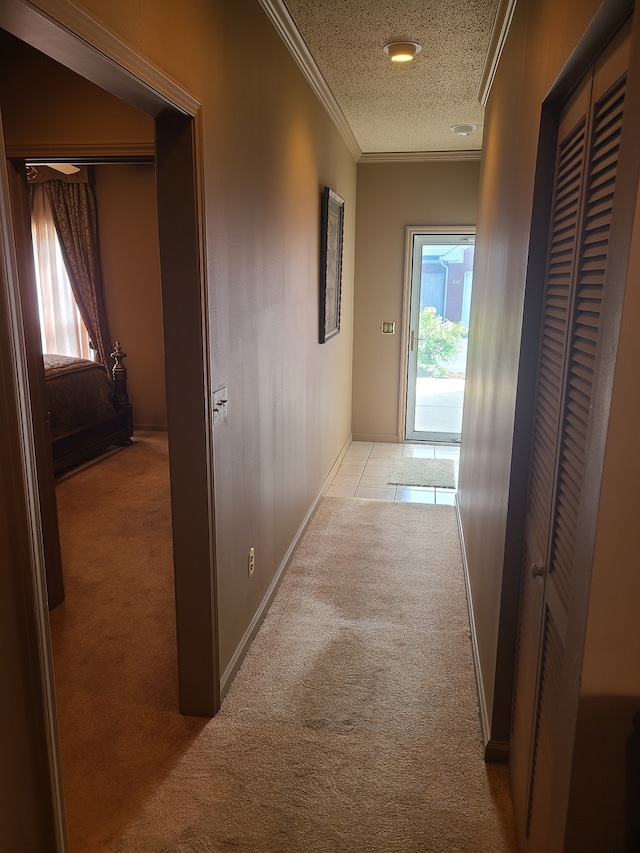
pixel 504 16
pixel 279 16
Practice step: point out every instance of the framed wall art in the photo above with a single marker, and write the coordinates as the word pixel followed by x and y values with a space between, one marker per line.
pixel 332 226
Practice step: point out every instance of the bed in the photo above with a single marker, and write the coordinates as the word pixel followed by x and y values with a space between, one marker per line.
pixel 88 410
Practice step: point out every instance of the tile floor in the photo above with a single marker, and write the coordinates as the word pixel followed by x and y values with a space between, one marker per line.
pixel 366 467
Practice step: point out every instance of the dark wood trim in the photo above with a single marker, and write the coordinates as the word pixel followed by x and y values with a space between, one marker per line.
pixel 497 752
pixel 33 818
pixel 42 436
pixel 603 29
pixel 523 430
pixel 82 152
pixel 188 404
pixel 606 22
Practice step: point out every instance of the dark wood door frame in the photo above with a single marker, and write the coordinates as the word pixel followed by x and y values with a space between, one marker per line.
pixel 30 749
pixel 42 435
pixel 603 27
pixel 81 44
pixel 608 19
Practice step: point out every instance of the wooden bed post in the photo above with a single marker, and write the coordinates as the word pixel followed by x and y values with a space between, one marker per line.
pixel 119 374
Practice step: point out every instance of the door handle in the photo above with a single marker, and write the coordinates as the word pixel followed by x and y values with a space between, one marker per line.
pixel 536 571
pixel 413 340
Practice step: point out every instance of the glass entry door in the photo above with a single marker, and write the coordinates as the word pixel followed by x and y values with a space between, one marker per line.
pixel 441 279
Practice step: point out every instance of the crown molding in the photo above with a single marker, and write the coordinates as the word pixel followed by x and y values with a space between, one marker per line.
pixel 420 156
pixel 279 16
pixel 501 25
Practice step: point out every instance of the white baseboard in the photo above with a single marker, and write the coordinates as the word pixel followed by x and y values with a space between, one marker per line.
pixel 247 638
pixel 385 437
pixel 484 712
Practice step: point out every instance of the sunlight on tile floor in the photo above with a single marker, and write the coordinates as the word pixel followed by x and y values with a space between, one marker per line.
pixel 367 465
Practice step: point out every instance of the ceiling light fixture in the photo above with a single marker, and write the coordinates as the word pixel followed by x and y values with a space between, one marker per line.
pixel 402 51
pixel 463 129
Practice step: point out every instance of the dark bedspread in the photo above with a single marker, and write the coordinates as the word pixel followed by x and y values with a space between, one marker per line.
pixel 79 392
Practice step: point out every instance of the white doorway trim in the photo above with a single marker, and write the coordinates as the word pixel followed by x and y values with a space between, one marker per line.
pixel 411 232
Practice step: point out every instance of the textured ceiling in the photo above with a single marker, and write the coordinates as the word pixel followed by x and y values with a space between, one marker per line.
pixel 401 107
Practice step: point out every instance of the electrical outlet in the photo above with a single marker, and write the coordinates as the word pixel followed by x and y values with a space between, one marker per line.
pixel 252 561
pixel 388 328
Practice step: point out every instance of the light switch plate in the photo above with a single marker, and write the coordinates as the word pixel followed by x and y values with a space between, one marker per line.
pixel 388 328
pixel 219 405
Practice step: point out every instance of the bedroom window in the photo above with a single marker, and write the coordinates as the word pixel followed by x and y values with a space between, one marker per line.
pixel 61 326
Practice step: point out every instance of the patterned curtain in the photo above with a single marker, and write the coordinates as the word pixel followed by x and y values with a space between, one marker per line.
pixel 61 325
pixel 73 206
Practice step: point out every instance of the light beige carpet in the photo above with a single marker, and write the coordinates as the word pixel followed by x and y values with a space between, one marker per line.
pixel 352 725
pixel 415 471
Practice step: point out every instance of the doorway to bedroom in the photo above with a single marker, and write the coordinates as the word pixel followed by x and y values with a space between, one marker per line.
pixel 186 356
pixel 439 283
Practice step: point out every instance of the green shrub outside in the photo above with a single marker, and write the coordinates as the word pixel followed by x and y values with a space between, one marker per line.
pixel 439 342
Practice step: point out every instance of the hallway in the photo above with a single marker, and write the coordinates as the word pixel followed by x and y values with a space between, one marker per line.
pixel 352 725
pixel 366 465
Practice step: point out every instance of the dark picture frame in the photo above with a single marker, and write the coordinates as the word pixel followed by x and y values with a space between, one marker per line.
pixel 331 234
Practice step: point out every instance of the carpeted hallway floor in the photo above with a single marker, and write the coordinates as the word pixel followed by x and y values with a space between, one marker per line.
pixel 352 725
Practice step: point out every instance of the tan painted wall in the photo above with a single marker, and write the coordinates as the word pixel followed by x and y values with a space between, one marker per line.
pixel 46 103
pixel 390 198
pixel 269 148
pixel 128 231
pixel 545 33
pixel 46 107
pixel 289 396
pixel 542 38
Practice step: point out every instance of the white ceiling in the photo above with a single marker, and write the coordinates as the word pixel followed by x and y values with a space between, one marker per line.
pixel 392 107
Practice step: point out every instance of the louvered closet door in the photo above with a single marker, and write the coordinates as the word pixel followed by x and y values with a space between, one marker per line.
pixel 586 162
